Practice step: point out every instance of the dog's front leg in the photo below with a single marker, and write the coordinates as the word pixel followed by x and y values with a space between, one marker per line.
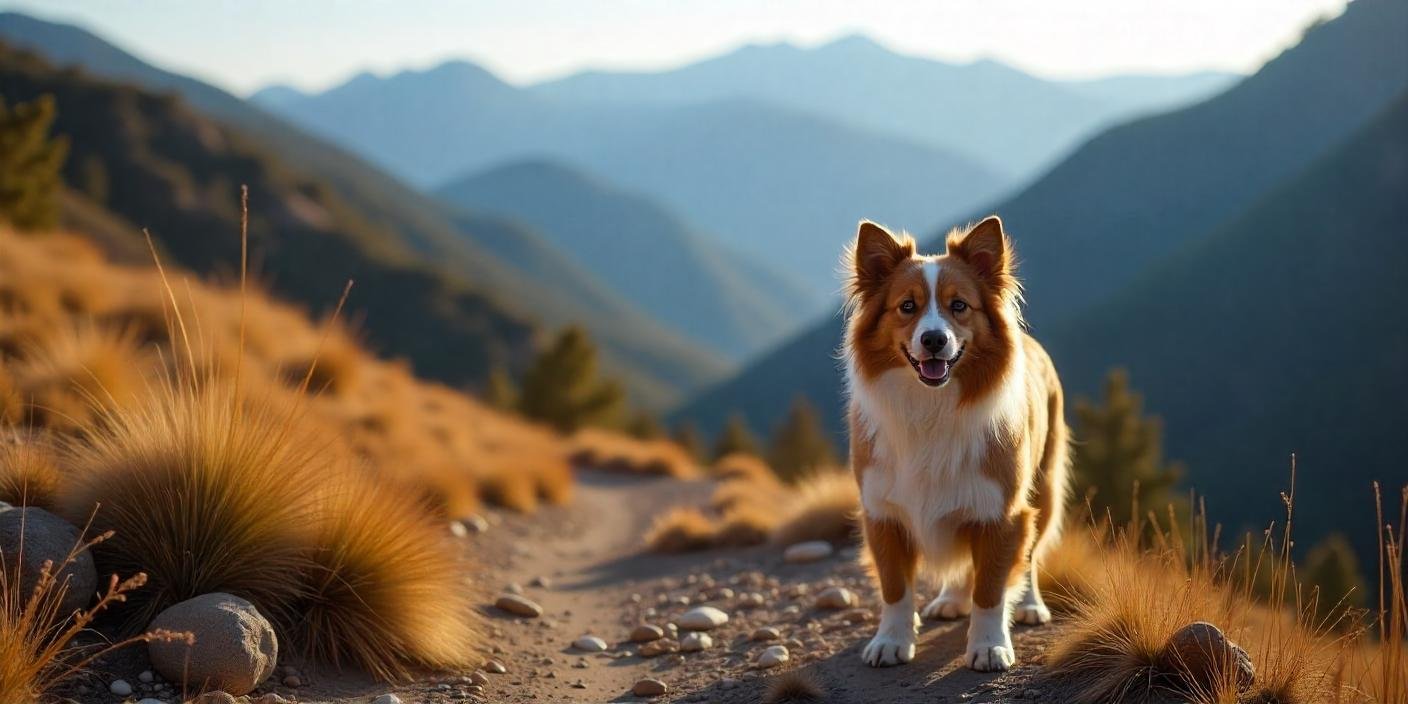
pixel 999 551
pixel 895 560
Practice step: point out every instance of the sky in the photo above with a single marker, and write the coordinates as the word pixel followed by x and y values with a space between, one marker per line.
pixel 314 44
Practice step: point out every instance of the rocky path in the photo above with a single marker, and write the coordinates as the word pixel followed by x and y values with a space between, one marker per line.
pixel 583 565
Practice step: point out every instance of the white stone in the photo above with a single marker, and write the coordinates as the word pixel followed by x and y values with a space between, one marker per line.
pixel 809 551
pixel 696 642
pixel 702 618
pixel 387 699
pixel 458 530
pixel 590 644
pixel 772 657
pixel 835 598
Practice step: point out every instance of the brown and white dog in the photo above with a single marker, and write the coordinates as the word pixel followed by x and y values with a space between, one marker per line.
pixel 958 439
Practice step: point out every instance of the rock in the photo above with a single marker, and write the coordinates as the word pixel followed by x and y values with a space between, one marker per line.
pixel 835 598
pixel 495 667
pixel 649 687
pixel 234 649
pixel 810 551
pixel 150 700
pixel 458 530
pixel 478 678
pixel 766 633
pixel 145 676
pixel 696 642
pixel 773 656
pixel 215 697
pixel 659 647
pixel 856 616
pixel 387 699
pixel 475 523
pixel 540 583
pixel 46 538
pixel 751 600
pixel 1200 653
pixel 590 644
pixel 702 618
pixel 270 698
pixel 120 688
pixel 293 681
pixel 646 632
pixel 518 605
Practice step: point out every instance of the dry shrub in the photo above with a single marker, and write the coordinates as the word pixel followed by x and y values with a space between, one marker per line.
pixel 741 466
pixel 29 473
pixel 331 365
pixel 745 525
pixel 622 453
pixel 386 590
pixel 73 370
pixel 681 529
pixel 824 506
pixel 206 491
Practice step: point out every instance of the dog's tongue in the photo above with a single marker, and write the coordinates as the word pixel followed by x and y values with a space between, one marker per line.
pixel 933 369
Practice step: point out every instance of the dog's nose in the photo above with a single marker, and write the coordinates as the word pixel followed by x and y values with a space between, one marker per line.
pixel 934 340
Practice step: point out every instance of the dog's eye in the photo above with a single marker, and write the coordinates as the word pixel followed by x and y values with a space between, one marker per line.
pixel 958 305
pixel 907 307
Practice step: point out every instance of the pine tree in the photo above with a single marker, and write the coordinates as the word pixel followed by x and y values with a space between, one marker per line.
pixel 563 387
pixel 645 425
pixel 1118 454
pixel 1332 568
pixel 736 437
pixel 501 392
pixel 800 446
pixel 687 435
pixel 30 163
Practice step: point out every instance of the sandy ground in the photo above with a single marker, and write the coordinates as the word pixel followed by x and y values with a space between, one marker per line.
pixel 584 564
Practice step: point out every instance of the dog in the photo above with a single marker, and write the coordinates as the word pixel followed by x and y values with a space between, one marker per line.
pixel 957 436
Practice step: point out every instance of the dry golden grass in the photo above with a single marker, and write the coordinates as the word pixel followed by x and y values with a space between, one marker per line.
pixel 29 472
pixel 623 453
pixel 72 370
pixel 826 507
pixel 793 687
pixel 681 529
pixel 386 590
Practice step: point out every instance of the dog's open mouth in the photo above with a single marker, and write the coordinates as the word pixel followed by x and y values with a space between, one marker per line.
pixel 933 371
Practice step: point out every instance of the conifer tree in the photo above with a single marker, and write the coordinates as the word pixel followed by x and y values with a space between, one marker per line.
pixel 30 163
pixel 799 445
pixel 735 437
pixel 563 387
pixel 1332 568
pixel 501 392
pixel 1118 450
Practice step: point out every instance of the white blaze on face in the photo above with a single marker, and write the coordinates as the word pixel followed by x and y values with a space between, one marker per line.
pixel 933 319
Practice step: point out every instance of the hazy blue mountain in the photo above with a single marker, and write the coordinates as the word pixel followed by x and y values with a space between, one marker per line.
pixel 1278 332
pixel 646 254
pixel 1138 192
pixel 465 247
pixel 990 112
pixel 277 94
pixel 770 181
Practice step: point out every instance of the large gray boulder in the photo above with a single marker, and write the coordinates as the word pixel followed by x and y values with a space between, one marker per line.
pixel 234 649
pixel 31 536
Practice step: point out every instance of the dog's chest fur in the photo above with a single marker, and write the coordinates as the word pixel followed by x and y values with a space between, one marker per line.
pixel 928 453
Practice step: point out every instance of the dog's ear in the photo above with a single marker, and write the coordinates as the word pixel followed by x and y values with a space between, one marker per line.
pixel 876 254
pixel 985 247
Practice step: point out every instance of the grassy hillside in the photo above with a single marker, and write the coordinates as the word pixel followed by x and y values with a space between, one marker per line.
pixel 1138 192
pixel 769 181
pixel 468 247
pixel 989 112
pixel 1278 333
pixel 645 254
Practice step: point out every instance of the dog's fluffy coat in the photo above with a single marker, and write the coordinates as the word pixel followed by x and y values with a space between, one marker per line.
pixel 958 440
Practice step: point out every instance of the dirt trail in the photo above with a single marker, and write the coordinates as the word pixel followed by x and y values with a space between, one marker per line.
pixel 599 582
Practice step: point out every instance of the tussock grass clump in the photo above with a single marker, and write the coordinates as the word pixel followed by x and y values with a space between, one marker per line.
pixel 793 687
pixel 386 590
pixel 73 370
pixel 205 491
pixel 29 473
pixel 825 506
pixel 681 529
pixel 622 453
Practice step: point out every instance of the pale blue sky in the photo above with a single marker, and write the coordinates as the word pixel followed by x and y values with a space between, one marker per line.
pixel 243 45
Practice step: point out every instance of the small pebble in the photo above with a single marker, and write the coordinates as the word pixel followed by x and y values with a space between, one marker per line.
pixel 835 598
pixel 590 644
pixel 696 642
pixel 387 699
pixel 773 656
pixel 495 667
pixel 702 618
pixel 120 688
pixel 766 633
pixel 458 530
pixel 518 605
pixel 810 551
pixel 646 632
pixel 649 687
pixel 146 676
pixel 293 681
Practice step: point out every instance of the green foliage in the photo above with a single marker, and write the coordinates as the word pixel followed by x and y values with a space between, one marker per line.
pixel 735 437
pixel 1118 454
pixel 645 425
pixel 799 445
pixel 687 435
pixel 30 164
pixel 1332 568
pixel 501 392
pixel 563 388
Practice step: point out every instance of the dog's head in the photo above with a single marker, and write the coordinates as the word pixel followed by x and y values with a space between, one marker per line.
pixel 948 316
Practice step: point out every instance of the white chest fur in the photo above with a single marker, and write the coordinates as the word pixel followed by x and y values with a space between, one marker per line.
pixel 927 459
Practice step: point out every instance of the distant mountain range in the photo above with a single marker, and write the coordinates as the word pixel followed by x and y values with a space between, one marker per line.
pixel 463 250
pixel 681 277
pixel 1098 221
pixel 1242 256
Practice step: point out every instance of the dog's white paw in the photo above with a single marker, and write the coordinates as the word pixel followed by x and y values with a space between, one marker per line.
pixel 1032 614
pixel 947 608
pixel 990 658
pixel 887 649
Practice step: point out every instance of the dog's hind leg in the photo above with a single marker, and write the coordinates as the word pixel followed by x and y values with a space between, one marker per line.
pixel 954 601
pixel 1031 610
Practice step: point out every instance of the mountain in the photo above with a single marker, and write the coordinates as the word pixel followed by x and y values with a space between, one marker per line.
pixel 1278 332
pixel 462 246
pixel 1136 193
pixel 990 112
pixel 771 182
pixel 645 253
